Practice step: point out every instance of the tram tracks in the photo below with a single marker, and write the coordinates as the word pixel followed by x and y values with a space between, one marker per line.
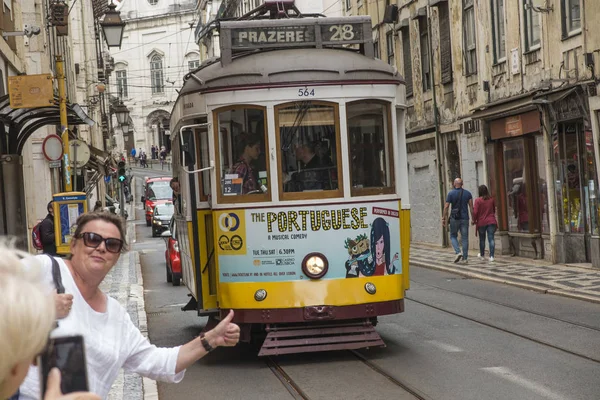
pixel 509 306
pixel 295 390
pixel 509 331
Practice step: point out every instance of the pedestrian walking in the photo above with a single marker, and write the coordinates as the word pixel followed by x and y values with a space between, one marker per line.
pixel 47 231
pixel 27 314
pixel 112 340
pixel 484 219
pixel 461 201
pixel 133 153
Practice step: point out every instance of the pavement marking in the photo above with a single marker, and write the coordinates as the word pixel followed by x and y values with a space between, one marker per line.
pixel 445 347
pixel 174 305
pixel 507 374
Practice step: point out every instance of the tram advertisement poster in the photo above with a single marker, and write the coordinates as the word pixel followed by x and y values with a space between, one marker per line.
pixel 270 244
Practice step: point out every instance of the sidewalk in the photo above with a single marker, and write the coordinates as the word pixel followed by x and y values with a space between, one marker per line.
pixel 541 276
pixel 125 284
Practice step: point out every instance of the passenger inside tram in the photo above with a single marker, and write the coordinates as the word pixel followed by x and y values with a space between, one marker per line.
pixel 249 148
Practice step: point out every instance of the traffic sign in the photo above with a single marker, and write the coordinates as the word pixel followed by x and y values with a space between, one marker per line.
pixel 79 153
pixel 52 147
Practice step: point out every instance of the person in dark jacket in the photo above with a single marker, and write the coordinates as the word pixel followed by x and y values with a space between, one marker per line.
pixel 47 232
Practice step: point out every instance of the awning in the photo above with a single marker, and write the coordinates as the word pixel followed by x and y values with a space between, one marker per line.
pixel 505 107
pixel 22 122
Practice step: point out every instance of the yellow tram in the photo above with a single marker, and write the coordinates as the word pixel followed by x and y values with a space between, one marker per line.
pixel 290 150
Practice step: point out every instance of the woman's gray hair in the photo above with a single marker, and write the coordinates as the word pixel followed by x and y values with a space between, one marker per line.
pixel 27 310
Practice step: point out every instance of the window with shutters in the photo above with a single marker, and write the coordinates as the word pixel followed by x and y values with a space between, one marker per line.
pixel 445 43
pixel 424 42
pixel 532 28
pixel 469 39
pixel 407 61
pixel 389 44
pixel 348 5
pixel 498 35
pixel 376 51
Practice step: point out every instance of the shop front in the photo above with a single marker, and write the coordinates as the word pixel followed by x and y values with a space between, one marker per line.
pixel 574 170
pixel 518 180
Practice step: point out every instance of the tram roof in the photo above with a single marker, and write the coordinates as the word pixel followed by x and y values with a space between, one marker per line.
pixel 282 67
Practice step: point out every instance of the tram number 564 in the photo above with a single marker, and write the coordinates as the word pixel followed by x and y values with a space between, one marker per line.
pixel 341 32
pixel 306 92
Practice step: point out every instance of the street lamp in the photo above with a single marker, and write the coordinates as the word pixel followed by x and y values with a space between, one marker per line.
pixel 112 26
pixel 122 113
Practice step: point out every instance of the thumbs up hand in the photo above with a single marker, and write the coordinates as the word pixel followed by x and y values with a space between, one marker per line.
pixel 225 334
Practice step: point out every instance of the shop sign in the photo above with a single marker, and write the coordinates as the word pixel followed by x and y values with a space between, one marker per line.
pixel 514 126
pixel 568 108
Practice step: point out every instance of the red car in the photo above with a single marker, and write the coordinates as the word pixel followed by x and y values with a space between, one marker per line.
pixel 172 255
pixel 157 191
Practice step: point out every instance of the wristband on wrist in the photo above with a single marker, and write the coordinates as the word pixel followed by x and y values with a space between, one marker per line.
pixel 205 344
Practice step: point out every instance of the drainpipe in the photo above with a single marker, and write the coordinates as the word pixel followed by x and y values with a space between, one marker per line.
pixel 436 122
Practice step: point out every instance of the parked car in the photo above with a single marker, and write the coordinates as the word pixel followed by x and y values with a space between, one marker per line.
pixel 161 217
pixel 172 259
pixel 156 191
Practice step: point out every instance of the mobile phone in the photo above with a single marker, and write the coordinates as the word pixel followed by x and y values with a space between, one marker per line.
pixel 66 353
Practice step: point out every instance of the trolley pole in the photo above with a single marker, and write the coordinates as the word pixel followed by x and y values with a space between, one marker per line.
pixel 64 124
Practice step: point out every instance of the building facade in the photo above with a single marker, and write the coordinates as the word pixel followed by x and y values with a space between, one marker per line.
pixel 502 93
pixel 29 46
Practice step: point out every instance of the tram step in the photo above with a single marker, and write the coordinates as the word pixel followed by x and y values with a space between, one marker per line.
pixel 288 340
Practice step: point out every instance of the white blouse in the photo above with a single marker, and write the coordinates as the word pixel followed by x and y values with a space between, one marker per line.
pixel 111 342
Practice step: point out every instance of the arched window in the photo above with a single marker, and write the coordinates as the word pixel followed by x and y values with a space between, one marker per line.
pixel 156 74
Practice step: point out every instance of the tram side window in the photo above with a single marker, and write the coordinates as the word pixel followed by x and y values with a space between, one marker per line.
pixel 308 141
pixel 370 143
pixel 243 165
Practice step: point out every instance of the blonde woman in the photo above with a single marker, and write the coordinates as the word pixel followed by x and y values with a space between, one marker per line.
pixel 27 314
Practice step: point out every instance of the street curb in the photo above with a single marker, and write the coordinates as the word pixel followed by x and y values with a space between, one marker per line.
pixel 533 287
pixel 149 386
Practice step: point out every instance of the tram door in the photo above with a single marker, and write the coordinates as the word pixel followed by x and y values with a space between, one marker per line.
pixel 208 265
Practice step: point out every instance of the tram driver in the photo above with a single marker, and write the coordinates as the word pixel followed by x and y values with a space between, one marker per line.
pixel 315 173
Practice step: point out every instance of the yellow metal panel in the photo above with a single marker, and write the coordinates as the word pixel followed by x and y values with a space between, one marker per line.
pixel 302 293
pixel 405 235
pixel 30 91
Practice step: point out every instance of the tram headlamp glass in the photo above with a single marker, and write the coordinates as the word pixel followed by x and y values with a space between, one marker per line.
pixel 260 295
pixel 315 265
pixel 370 288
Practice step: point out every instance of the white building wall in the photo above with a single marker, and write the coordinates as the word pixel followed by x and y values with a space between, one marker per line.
pixel 163 30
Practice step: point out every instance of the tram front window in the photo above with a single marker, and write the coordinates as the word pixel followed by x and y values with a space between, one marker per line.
pixel 369 139
pixel 308 139
pixel 242 161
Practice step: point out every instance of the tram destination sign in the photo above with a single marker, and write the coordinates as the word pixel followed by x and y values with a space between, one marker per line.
pixel 306 32
pixel 294 35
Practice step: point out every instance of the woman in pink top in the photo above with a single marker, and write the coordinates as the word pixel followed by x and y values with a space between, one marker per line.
pixel 484 217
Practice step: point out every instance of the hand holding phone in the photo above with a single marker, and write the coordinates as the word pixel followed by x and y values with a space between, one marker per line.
pixel 67 354
pixel 53 391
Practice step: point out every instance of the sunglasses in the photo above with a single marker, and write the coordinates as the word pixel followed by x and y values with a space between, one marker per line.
pixel 90 239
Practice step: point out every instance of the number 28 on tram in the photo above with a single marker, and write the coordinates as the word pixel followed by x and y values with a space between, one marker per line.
pixel 294 206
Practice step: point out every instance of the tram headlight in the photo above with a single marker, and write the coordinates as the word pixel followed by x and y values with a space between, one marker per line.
pixel 370 288
pixel 260 295
pixel 315 265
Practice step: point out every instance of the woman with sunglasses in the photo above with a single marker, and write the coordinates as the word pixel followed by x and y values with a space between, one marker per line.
pixel 111 339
